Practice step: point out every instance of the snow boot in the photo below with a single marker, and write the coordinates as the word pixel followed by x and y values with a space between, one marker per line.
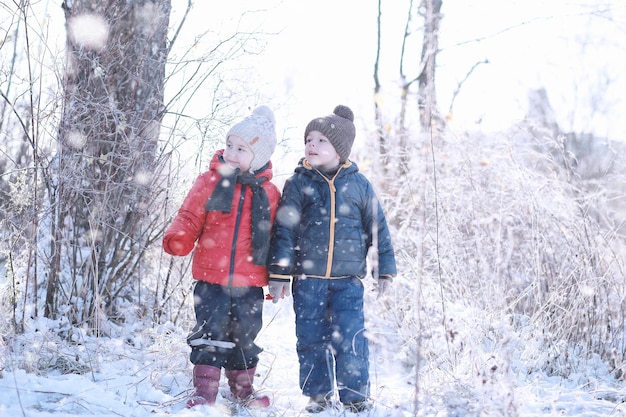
pixel 358 406
pixel 317 404
pixel 206 380
pixel 240 383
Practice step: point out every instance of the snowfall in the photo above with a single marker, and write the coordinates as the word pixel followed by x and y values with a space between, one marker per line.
pixel 445 359
pixel 144 371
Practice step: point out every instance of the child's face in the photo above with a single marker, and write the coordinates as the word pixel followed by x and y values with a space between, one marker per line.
pixel 320 152
pixel 238 154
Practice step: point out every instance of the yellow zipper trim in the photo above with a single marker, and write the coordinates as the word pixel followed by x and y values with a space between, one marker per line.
pixel 331 234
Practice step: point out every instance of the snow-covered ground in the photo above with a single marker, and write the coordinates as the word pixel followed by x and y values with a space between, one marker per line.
pixel 146 373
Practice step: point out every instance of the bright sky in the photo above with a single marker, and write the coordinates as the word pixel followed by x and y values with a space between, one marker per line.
pixel 556 45
pixel 323 54
pixel 326 50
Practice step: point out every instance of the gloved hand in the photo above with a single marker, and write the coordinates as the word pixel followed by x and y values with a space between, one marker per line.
pixel 383 286
pixel 277 290
pixel 177 243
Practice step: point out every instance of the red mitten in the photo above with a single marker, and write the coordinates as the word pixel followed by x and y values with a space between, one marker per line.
pixel 177 245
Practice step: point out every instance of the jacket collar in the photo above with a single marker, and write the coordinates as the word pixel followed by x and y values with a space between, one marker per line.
pixel 347 166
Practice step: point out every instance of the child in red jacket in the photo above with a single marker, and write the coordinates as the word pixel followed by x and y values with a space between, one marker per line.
pixel 227 216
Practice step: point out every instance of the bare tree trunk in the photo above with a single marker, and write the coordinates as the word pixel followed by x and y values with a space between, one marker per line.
pixel 427 94
pixel 404 151
pixel 112 109
pixel 382 138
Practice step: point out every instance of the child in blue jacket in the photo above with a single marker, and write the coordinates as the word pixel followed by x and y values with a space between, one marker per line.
pixel 328 219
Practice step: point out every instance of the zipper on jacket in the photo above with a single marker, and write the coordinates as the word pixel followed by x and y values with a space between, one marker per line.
pixel 331 231
pixel 233 248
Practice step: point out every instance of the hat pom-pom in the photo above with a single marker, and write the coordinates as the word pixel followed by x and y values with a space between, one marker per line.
pixel 266 112
pixel 345 112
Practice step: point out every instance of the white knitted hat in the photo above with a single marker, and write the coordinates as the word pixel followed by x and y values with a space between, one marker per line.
pixel 259 131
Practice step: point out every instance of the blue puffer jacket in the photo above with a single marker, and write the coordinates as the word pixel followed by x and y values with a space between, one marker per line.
pixel 324 227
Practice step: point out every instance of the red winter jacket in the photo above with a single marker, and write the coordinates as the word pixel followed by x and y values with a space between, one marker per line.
pixel 217 258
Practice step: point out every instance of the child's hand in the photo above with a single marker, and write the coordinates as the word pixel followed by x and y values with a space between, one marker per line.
pixel 383 286
pixel 177 247
pixel 277 290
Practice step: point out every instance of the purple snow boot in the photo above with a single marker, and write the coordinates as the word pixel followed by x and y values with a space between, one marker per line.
pixel 240 383
pixel 206 380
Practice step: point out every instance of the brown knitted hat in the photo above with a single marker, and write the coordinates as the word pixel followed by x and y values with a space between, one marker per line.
pixel 338 128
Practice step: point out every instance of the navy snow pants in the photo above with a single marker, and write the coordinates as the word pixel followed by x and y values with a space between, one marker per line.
pixel 330 329
pixel 228 320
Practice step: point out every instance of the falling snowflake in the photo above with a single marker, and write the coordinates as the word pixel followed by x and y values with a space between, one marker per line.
pixel 89 31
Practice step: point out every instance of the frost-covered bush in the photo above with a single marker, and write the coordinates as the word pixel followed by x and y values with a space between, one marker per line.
pixel 505 226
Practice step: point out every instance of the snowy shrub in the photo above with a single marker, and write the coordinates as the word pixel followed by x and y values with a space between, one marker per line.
pixel 504 227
